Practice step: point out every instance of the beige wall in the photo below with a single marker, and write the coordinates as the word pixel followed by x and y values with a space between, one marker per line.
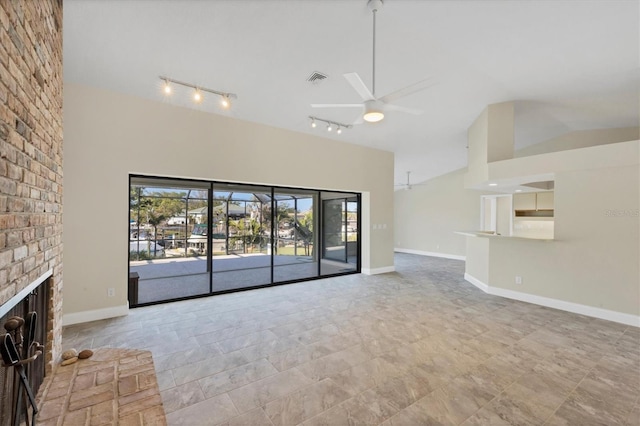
pixel 593 260
pixel 591 265
pixel 110 135
pixel 581 139
pixel 489 139
pixel 427 216
pixel 477 263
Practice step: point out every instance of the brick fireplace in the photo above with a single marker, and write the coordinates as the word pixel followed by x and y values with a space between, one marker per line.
pixel 31 159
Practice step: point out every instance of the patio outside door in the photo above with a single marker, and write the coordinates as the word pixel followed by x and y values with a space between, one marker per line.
pixel 340 221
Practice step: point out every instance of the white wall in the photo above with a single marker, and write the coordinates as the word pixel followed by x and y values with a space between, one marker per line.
pixel 427 216
pixel 110 135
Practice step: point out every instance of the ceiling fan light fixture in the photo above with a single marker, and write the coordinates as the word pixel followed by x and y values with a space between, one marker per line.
pixel 373 116
pixel 372 112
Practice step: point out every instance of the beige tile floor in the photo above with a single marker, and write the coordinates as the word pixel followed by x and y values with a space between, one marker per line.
pixel 416 347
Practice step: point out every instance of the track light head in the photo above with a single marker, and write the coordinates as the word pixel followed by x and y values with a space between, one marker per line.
pixel 329 128
pixel 339 130
pixel 167 87
pixel 313 123
pixel 197 96
pixel 225 102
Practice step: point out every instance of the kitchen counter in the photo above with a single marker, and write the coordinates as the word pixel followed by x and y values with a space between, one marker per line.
pixel 487 234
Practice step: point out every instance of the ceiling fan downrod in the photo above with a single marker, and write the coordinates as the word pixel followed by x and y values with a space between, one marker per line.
pixel 374 5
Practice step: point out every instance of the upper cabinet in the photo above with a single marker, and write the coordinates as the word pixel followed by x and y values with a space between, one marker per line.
pixel 526 201
pixel 544 200
pixel 533 204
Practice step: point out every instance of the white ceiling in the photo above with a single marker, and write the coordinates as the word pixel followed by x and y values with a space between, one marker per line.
pixel 568 64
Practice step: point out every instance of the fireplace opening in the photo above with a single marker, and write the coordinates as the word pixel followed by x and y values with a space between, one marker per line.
pixel 26 333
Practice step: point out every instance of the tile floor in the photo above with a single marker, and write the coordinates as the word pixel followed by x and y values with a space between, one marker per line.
pixel 420 346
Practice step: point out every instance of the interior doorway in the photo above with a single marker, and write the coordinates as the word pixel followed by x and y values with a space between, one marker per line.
pixel 496 214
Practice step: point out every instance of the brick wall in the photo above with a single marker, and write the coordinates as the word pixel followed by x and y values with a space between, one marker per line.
pixel 31 152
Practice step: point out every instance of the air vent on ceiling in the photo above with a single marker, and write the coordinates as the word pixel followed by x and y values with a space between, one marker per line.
pixel 316 77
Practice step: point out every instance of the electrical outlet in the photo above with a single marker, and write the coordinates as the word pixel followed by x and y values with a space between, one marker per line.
pixel 111 292
pixel 518 280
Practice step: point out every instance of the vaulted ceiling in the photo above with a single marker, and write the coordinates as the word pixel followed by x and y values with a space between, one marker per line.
pixel 568 64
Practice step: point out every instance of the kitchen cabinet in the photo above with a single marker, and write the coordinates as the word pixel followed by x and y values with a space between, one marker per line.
pixel 544 200
pixel 533 205
pixel 526 201
pixel 531 201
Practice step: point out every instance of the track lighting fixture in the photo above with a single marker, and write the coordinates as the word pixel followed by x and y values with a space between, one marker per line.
pixel 330 124
pixel 198 96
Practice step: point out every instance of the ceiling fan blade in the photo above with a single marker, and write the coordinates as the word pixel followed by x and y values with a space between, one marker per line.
pixel 337 106
pixel 413 111
pixel 408 90
pixel 358 120
pixel 356 82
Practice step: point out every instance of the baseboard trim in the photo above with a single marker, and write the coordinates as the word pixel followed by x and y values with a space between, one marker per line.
pixel 430 253
pixel 377 271
pixel 95 315
pixel 576 308
pixel 476 282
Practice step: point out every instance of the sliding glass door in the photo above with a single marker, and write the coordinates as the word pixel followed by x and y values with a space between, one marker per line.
pixel 191 238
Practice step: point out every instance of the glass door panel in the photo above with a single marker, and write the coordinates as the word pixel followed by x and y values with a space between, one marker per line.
pixel 294 256
pixel 162 216
pixel 352 226
pixel 241 234
pixel 340 223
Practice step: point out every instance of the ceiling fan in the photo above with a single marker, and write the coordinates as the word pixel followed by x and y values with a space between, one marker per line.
pixel 407 186
pixel 374 107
